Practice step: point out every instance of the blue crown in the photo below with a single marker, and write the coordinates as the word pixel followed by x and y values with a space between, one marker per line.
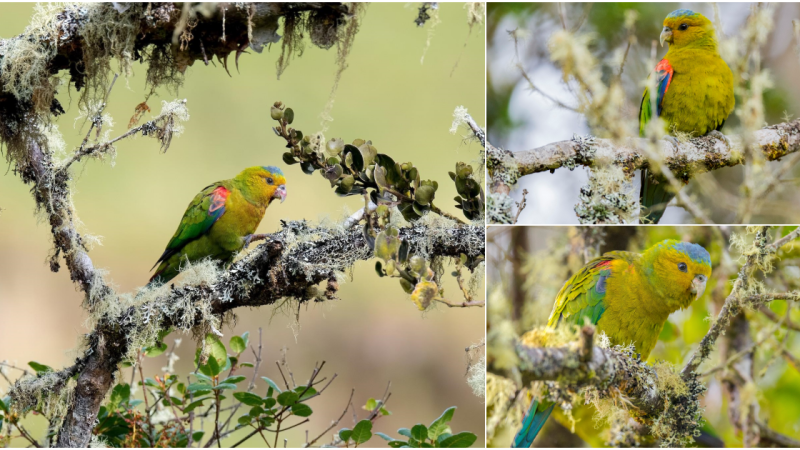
pixel 697 253
pixel 681 13
pixel 273 170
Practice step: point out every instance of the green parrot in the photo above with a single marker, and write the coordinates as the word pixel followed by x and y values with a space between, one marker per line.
pixel 628 296
pixel 694 94
pixel 221 220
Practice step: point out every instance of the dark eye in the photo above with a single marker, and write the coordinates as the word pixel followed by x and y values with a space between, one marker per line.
pixel 682 267
pixel 270 180
pixel 683 26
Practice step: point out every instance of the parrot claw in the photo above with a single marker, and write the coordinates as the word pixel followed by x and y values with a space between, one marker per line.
pixel 250 238
pixel 721 137
pixel 672 140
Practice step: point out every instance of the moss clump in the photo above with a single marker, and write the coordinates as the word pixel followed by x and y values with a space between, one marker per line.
pixel 498 208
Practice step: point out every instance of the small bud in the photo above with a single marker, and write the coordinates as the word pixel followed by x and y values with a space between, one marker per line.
pixel 276 113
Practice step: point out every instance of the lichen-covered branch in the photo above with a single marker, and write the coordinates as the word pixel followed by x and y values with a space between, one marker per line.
pixel 666 407
pixel 698 155
pixel 734 303
pixel 291 263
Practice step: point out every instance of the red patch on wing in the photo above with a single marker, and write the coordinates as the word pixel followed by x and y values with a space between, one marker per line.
pixel 218 199
pixel 665 72
pixel 604 264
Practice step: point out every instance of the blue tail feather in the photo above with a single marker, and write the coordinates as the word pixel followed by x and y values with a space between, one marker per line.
pixel 533 423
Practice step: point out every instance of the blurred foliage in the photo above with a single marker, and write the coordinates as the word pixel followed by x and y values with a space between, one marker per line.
pixel 553 255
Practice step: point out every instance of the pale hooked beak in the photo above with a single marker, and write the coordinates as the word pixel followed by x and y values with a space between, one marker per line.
pixel 699 285
pixel 280 193
pixel 666 35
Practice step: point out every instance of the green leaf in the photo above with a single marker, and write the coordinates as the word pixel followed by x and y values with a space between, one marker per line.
pixel 155 350
pixel 439 426
pixel 203 377
pixel 216 349
pixel 398 444
pixel 425 194
pixel 194 387
pixel 305 393
pixel 288 398
pixel 39 368
pixel 196 436
pixel 234 380
pixel 345 433
pixel 246 364
pixel 120 394
pixel 256 411
pixel 404 432
pixel 248 399
pixel 191 406
pixel 272 384
pixel 362 432
pixel 288 158
pixel 269 402
pixel 307 167
pixel 460 440
pixel 213 366
pixel 301 409
pixel 419 432
pixel 244 420
pixel 223 386
pixel 238 345
pixel 288 115
pixel 385 436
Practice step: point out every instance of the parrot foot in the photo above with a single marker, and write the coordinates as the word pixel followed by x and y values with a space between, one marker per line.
pixel 250 238
pixel 721 137
pixel 672 140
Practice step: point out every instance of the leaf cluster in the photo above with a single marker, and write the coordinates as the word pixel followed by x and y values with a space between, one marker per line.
pixel 436 435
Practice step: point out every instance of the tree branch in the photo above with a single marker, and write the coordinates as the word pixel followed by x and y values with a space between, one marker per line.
pixel 698 155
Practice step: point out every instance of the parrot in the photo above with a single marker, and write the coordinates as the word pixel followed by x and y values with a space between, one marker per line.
pixel 694 95
pixel 221 220
pixel 628 296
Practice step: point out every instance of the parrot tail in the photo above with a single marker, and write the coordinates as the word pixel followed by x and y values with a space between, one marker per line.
pixel 654 196
pixel 532 423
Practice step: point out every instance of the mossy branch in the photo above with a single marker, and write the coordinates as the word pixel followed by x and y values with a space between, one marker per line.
pixel 695 156
pixel 735 302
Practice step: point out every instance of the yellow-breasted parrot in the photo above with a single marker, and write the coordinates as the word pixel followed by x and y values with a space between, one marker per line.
pixel 694 94
pixel 628 296
pixel 221 220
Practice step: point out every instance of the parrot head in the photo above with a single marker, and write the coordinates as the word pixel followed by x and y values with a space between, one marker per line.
pixel 680 270
pixel 684 27
pixel 263 184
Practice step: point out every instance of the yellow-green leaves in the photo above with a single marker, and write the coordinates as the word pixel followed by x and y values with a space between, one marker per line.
pixel 387 244
pixel 424 293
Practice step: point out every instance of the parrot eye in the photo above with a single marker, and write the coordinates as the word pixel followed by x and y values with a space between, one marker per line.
pixel 270 180
pixel 682 267
pixel 683 26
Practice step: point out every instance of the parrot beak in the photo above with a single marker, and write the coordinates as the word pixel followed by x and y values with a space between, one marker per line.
pixel 280 193
pixel 699 285
pixel 666 36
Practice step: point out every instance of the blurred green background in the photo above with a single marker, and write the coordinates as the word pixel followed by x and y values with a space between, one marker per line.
pixel 519 119
pixel 548 256
pixel 374 334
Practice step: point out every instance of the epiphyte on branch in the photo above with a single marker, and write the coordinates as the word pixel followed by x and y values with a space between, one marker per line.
pixel 628 296
pixel 221 219
pixel 694 94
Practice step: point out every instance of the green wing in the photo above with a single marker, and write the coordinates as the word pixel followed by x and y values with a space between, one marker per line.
pixel 204 210
pixel 645 112
pixel 582 295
